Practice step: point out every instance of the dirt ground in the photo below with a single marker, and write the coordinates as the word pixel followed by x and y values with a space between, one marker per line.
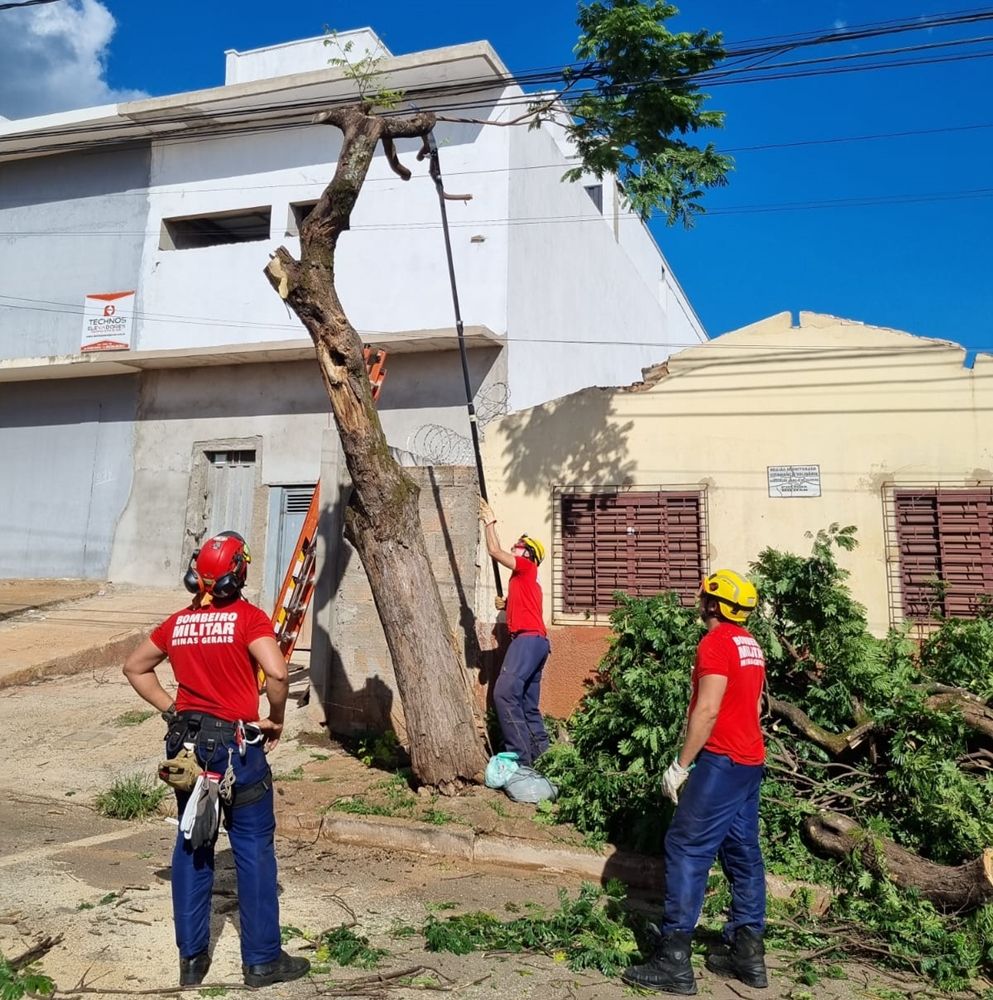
pixel 103 885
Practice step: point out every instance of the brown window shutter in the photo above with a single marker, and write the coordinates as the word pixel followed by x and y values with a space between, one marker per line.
pixel 944 536
pixel 638 542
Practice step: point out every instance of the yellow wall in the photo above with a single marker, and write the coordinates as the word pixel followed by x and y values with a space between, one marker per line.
pixel 870 406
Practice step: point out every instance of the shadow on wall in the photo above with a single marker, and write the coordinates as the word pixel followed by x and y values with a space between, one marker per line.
pixel 569 440
pixel 345 709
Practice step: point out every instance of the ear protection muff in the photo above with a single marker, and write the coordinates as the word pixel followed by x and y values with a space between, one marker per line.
pixel 229 583
pixel 192 580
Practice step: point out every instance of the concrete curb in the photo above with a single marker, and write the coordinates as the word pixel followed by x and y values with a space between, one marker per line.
pixel 464 844
pixel 91 658
pixel 639 871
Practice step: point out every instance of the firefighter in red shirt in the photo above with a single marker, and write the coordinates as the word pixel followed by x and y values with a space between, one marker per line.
pixel 518 688
pixel 213 647
pixel 717 815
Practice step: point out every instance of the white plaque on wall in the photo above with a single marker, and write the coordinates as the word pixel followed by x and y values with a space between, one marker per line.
pixel 794 481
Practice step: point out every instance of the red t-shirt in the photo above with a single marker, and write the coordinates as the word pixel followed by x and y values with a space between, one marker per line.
pixel 732 652
pixel 524 605
pixel 208 650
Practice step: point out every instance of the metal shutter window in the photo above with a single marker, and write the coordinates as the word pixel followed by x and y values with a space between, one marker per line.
pixel 637 542
pixel 944 535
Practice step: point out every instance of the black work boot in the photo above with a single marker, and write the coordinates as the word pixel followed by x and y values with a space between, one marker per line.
pixel 192 970
pixel 281 970
pixel 668 970
pixel 743 959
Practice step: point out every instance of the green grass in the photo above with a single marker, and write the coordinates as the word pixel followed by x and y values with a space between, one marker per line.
pixel 295 775
pixel 133 797
pixel 133 718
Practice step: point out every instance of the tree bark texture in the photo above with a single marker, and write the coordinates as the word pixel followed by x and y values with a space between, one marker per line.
pixel 835 743
pixel 383 521
pixel 963 888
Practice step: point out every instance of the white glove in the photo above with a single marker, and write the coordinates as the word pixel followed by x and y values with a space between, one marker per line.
pixel 673 780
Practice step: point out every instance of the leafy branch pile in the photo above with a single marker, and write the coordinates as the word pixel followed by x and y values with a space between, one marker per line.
pixel 589 932
pixel 879 756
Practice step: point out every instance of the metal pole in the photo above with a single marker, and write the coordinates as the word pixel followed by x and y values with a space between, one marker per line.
pixel 435 171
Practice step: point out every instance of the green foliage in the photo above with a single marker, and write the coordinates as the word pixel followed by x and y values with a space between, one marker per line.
pixel 910 778
pixel 135 717
pixel 589 932
pixel 627 730
pixel 16 983
pixel 637 102
pixel 133 797
pixel 365 72
pixel 344 947
pixel 382 750
pixel 960 654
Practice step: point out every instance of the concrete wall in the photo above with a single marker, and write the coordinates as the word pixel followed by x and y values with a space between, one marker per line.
pixel 282 411
pixel 66 473
pixel 74 225
pixel 870 406
pixel 355 683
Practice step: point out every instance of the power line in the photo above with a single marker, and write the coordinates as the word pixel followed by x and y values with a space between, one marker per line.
pixel 436 93
pixel 72 309
pixel 24 3
pixel 831 203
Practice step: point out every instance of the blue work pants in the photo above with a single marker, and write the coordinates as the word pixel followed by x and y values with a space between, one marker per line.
pixel 516 695
pixel 251 830
pixel 717 817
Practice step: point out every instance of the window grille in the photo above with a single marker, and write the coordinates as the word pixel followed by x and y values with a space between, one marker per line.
pixel 639 540
pixel 940 550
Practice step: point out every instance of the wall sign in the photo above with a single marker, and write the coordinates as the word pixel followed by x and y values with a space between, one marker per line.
pixel 794 481
pixel 107 321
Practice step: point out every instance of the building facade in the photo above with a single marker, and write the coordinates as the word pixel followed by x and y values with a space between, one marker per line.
pixel 757 439
pixel 213 415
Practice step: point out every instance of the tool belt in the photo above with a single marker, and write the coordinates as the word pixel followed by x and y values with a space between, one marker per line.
pixel 206 733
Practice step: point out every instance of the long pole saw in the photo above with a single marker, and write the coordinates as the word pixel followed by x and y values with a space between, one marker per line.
pixel 435 171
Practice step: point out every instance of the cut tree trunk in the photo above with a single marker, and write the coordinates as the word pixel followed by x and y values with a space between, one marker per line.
pixel 383 520
pixel 965 887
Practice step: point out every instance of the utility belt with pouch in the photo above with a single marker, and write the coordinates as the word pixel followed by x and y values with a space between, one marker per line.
pixel 191 741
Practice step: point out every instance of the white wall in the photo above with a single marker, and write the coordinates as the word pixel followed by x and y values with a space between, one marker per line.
pixel 301 55
pixel 391 270
pixel 574 297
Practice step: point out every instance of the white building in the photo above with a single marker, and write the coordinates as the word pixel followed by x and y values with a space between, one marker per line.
pixel 116 462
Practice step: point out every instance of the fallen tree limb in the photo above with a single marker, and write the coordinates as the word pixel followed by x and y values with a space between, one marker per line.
pixel 965 887
pixel 976 715
pixel 34 953
pixel 835 743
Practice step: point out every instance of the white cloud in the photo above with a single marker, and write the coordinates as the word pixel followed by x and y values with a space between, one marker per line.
pixel 53 57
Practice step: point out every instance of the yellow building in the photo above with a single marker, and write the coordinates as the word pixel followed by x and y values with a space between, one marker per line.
pixel 755 439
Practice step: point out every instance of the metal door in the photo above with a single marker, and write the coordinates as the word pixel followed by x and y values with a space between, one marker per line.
pixel 294 502
pixel 230 493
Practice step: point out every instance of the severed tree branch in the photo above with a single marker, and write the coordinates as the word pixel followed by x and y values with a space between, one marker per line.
pixel 835 743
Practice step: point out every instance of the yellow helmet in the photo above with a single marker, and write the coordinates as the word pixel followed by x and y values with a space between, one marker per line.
pixel 537 549
pixel 736 596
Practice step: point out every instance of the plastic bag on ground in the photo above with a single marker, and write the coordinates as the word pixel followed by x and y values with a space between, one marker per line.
pixel 527 785
pixel 499 769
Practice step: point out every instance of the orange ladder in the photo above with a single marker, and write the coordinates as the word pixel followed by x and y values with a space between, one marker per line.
pixel 298 583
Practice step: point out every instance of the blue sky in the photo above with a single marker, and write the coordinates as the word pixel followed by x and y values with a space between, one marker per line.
pixel 922 266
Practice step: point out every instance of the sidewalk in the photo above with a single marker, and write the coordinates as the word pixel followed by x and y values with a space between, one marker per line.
pixel 47 628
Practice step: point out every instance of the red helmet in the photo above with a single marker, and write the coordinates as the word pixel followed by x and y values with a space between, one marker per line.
pixel 219 567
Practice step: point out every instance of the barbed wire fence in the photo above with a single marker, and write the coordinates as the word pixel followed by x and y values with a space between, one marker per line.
pixel 436 444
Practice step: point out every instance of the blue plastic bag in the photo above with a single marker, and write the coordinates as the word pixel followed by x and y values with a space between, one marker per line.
pixel 500 768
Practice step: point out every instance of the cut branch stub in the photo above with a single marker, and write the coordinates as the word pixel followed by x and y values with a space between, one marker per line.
pixel 965 887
